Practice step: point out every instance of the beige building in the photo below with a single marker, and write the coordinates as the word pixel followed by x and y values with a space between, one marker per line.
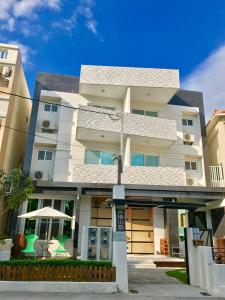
pixel 216 146
pixel 14 111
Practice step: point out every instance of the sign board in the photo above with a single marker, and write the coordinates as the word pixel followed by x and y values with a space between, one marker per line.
pixel 196 233
pixel 120 219
pixel 118 192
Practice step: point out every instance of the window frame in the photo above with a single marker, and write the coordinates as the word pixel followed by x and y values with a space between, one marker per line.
pixel 190 162
pixel 51 105
pixel 187 120
pixel 144 112
pixel 45 152
pixel 144 159
pixel 100 157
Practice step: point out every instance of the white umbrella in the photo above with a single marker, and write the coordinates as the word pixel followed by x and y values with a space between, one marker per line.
pixel 45 213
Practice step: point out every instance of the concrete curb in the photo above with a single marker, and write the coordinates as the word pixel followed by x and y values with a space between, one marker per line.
pixel 58 287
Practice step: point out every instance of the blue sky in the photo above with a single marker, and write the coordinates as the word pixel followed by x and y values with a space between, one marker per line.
pixel 57 36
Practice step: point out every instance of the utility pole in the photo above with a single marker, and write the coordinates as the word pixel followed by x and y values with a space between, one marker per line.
pixel 119 223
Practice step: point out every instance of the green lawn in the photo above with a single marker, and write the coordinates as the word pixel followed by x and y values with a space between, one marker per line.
pixel 180 274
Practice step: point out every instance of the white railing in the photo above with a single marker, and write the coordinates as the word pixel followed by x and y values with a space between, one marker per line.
pixel 217 176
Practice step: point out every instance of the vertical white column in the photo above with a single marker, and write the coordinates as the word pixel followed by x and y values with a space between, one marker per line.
pixel 127 151
pixel 119 241
pixel 208 219
pixel 21 222
pixel 127 109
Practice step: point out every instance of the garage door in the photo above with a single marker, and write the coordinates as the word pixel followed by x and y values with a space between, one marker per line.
pixel 139 225
pixel 139 229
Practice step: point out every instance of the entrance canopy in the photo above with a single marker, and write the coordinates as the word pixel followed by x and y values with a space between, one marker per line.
pixel 183 197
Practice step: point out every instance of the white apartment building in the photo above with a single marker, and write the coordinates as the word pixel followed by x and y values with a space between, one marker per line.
pixel 77 126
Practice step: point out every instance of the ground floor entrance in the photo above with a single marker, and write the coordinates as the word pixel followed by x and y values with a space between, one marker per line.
pixel 139 225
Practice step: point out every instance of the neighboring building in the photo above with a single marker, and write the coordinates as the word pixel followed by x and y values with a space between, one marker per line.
pixel 14 111
pixel 165 151
pixel 216 147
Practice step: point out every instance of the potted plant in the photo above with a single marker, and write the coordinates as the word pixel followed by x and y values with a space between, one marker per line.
pixel 5 247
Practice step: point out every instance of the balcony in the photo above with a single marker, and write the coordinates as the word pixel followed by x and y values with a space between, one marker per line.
pixel 92 125
pixel 132 175
pixel 44 138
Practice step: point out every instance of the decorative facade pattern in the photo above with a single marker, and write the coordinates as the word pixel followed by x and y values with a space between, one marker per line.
pixel 133 124
pixel 124 76
pixel 132 175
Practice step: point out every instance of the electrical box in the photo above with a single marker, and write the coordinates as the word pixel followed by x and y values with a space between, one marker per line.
pixel 96 243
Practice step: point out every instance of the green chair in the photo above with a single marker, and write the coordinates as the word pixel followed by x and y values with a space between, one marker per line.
pixel 61 248
pixel 30 239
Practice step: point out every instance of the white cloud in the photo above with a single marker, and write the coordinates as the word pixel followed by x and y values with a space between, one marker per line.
pixel 26 53
pixel 12 11
pixel 83 9
pixel 209 77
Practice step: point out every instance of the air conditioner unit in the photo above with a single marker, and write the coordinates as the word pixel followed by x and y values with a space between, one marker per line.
pixel 41 175
pixel 48 124
pixel 6 72
pixel 189 138
pixel 192 181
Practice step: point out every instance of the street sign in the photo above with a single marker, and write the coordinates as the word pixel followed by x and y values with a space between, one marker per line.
pixel 120 219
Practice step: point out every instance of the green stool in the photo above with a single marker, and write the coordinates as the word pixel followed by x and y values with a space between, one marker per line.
pixel 30 239
pixel 61 248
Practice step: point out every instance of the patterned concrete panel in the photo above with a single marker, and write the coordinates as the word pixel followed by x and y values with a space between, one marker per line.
pixel 124 76
pixel 134 124
pixel 132 175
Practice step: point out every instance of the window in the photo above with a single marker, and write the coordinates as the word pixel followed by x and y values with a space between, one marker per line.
pixel 145 160
pixel 102 106
pixel 51 107
pixel 99 158
pixel 3 54
pixel 146 113
pixel 45 155
pixel 190 165
pixel 50 228
pixel 187 122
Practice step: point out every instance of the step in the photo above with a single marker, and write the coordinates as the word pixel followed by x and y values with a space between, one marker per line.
pixel 142 266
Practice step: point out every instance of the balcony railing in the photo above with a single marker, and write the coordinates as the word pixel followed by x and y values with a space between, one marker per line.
pixel 163 130
pixel 217 176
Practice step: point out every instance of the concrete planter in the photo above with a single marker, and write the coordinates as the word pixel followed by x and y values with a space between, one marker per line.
pixel 5 249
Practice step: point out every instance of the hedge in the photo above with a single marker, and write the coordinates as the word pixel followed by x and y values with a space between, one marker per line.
pixel 55 262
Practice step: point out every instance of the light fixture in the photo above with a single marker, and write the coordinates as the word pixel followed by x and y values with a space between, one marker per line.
pixel 103 91
pixel 102 136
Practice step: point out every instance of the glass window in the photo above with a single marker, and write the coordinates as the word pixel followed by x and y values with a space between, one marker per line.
pixel 69 204
pixel 107 107
pixel 151 113
pixel 187 165
pixel 41 155
pixel 47 107
pixel 138 111
pixel 187 122
pixel 92 157
pixel 190 122
pixel 106 158
pixel 191 165
pixel 54 108
pixel 48 155
pixel 137 160
pixel 152 160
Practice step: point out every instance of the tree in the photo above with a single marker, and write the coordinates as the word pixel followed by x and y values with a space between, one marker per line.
pixel 15 188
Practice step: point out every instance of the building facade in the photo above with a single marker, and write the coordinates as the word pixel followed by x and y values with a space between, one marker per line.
pixel 76 128
pixel 216 147
pixel 14 111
